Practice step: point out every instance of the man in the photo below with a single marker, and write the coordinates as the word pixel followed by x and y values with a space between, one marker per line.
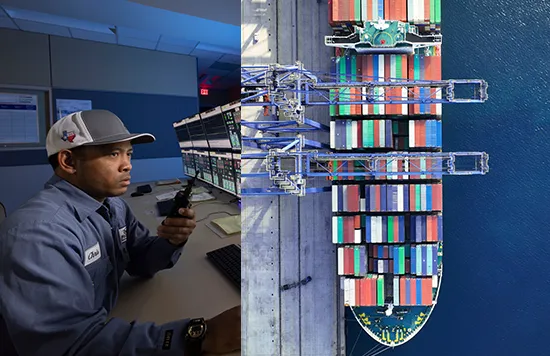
pixel 63 252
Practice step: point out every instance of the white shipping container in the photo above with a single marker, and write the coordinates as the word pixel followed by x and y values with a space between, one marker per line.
pixel 354 135
pixel 334 229
pixel 396 291
pixel 334 198
pixel 412 136
pixel 340 261
pixel 333 134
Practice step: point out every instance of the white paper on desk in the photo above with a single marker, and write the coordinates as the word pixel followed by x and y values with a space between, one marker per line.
pixel 166 196
pixel 202 197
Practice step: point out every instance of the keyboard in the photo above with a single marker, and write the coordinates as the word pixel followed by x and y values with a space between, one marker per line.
pixel 227 260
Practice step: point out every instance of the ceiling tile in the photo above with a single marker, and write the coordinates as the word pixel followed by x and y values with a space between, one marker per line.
pixel 180 41
pixel 46 28
pixel 6 22
pixel 225 66
pixel 172 48
pixel 93 36
pixel 135 42
pixel 221 73
pixel 138 34
pixel 204 64
pixel 230 58
pixel 214 56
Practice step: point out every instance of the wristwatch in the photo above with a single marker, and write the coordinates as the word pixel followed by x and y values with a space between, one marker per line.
pixel 196 331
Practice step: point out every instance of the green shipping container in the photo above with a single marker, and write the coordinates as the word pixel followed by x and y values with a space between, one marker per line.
pixel 357 11
pixel 438 11
pixel 432 11
pixel 418 191
pixel 357 260
pixel 332 95
pixel 390 229
pixel 416 67
pixel 401 260
pixel 340 229
pixel 380 290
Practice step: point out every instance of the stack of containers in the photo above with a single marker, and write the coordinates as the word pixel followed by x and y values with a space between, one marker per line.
pixel 348 134
pixel 412 291
pixel 381 127
pixel 424 259
pixel 426 228
pixel 387 197
pixel 368 291
pixel 389 259
pixel 352 260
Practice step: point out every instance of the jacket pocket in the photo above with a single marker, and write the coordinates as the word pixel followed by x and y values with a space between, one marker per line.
pixel 99 273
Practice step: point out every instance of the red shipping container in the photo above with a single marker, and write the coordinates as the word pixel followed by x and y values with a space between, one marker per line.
pixel 331 13
pixel 349 229
pixel 371 265
pixel 358 292
pixel 402 291
pixel 353 197
pixel 412 197
pixel 437 197
pixel 426 291
pixel 427 11
pixel 357 222
pixel 413 291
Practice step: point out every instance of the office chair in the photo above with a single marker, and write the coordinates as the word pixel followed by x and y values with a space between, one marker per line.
pixel 3 213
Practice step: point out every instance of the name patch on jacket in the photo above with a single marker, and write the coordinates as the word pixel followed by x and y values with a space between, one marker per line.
pixel 92 254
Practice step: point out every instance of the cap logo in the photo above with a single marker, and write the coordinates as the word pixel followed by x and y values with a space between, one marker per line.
pixel 68 136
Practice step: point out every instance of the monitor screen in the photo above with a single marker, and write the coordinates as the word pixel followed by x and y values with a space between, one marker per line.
pixel 196 132
pixel 232 117
pixel 237 169
pixel 182 133
pixel 223 171
pixel 188 162
pixel 202 164
pixel 216 132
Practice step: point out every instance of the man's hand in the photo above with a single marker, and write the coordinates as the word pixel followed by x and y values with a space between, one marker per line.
pixel 223 332
pixel 177 230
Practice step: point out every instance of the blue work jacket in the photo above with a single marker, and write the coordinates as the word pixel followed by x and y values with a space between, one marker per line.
pixel 62 255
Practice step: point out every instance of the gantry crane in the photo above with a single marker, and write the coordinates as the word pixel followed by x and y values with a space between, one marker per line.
pixel 288 90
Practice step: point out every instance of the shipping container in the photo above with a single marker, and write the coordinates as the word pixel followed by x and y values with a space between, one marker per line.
pixel 396 292
pixel 380 291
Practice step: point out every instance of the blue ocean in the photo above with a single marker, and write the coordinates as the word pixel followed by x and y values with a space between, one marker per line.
pixel 495 297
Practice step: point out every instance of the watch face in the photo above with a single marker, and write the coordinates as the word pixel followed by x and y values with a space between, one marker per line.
pixel 196 331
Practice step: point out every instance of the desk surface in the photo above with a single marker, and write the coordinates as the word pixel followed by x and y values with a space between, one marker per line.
pixel 193 287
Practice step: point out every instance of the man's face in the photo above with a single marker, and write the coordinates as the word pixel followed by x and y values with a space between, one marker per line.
pixel 103 171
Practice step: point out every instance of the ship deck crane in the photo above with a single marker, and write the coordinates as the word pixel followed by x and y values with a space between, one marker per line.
pixel 289 89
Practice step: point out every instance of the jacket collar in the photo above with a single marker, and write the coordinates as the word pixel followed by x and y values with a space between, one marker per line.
pixel 83 203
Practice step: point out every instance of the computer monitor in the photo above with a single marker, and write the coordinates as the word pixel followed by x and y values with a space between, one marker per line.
pixel 202 164
pixel 237 170
pixel 196 132
pixel 223 175
pixel 216 132
pixel 232 117
pixel 188 162
pixel 182 132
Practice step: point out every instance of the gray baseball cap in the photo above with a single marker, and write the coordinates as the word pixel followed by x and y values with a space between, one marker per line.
pixel 88 128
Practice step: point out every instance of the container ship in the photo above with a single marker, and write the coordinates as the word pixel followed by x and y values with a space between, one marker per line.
pixel 387 227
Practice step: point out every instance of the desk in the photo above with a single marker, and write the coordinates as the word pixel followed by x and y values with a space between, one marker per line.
pixel 193 287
